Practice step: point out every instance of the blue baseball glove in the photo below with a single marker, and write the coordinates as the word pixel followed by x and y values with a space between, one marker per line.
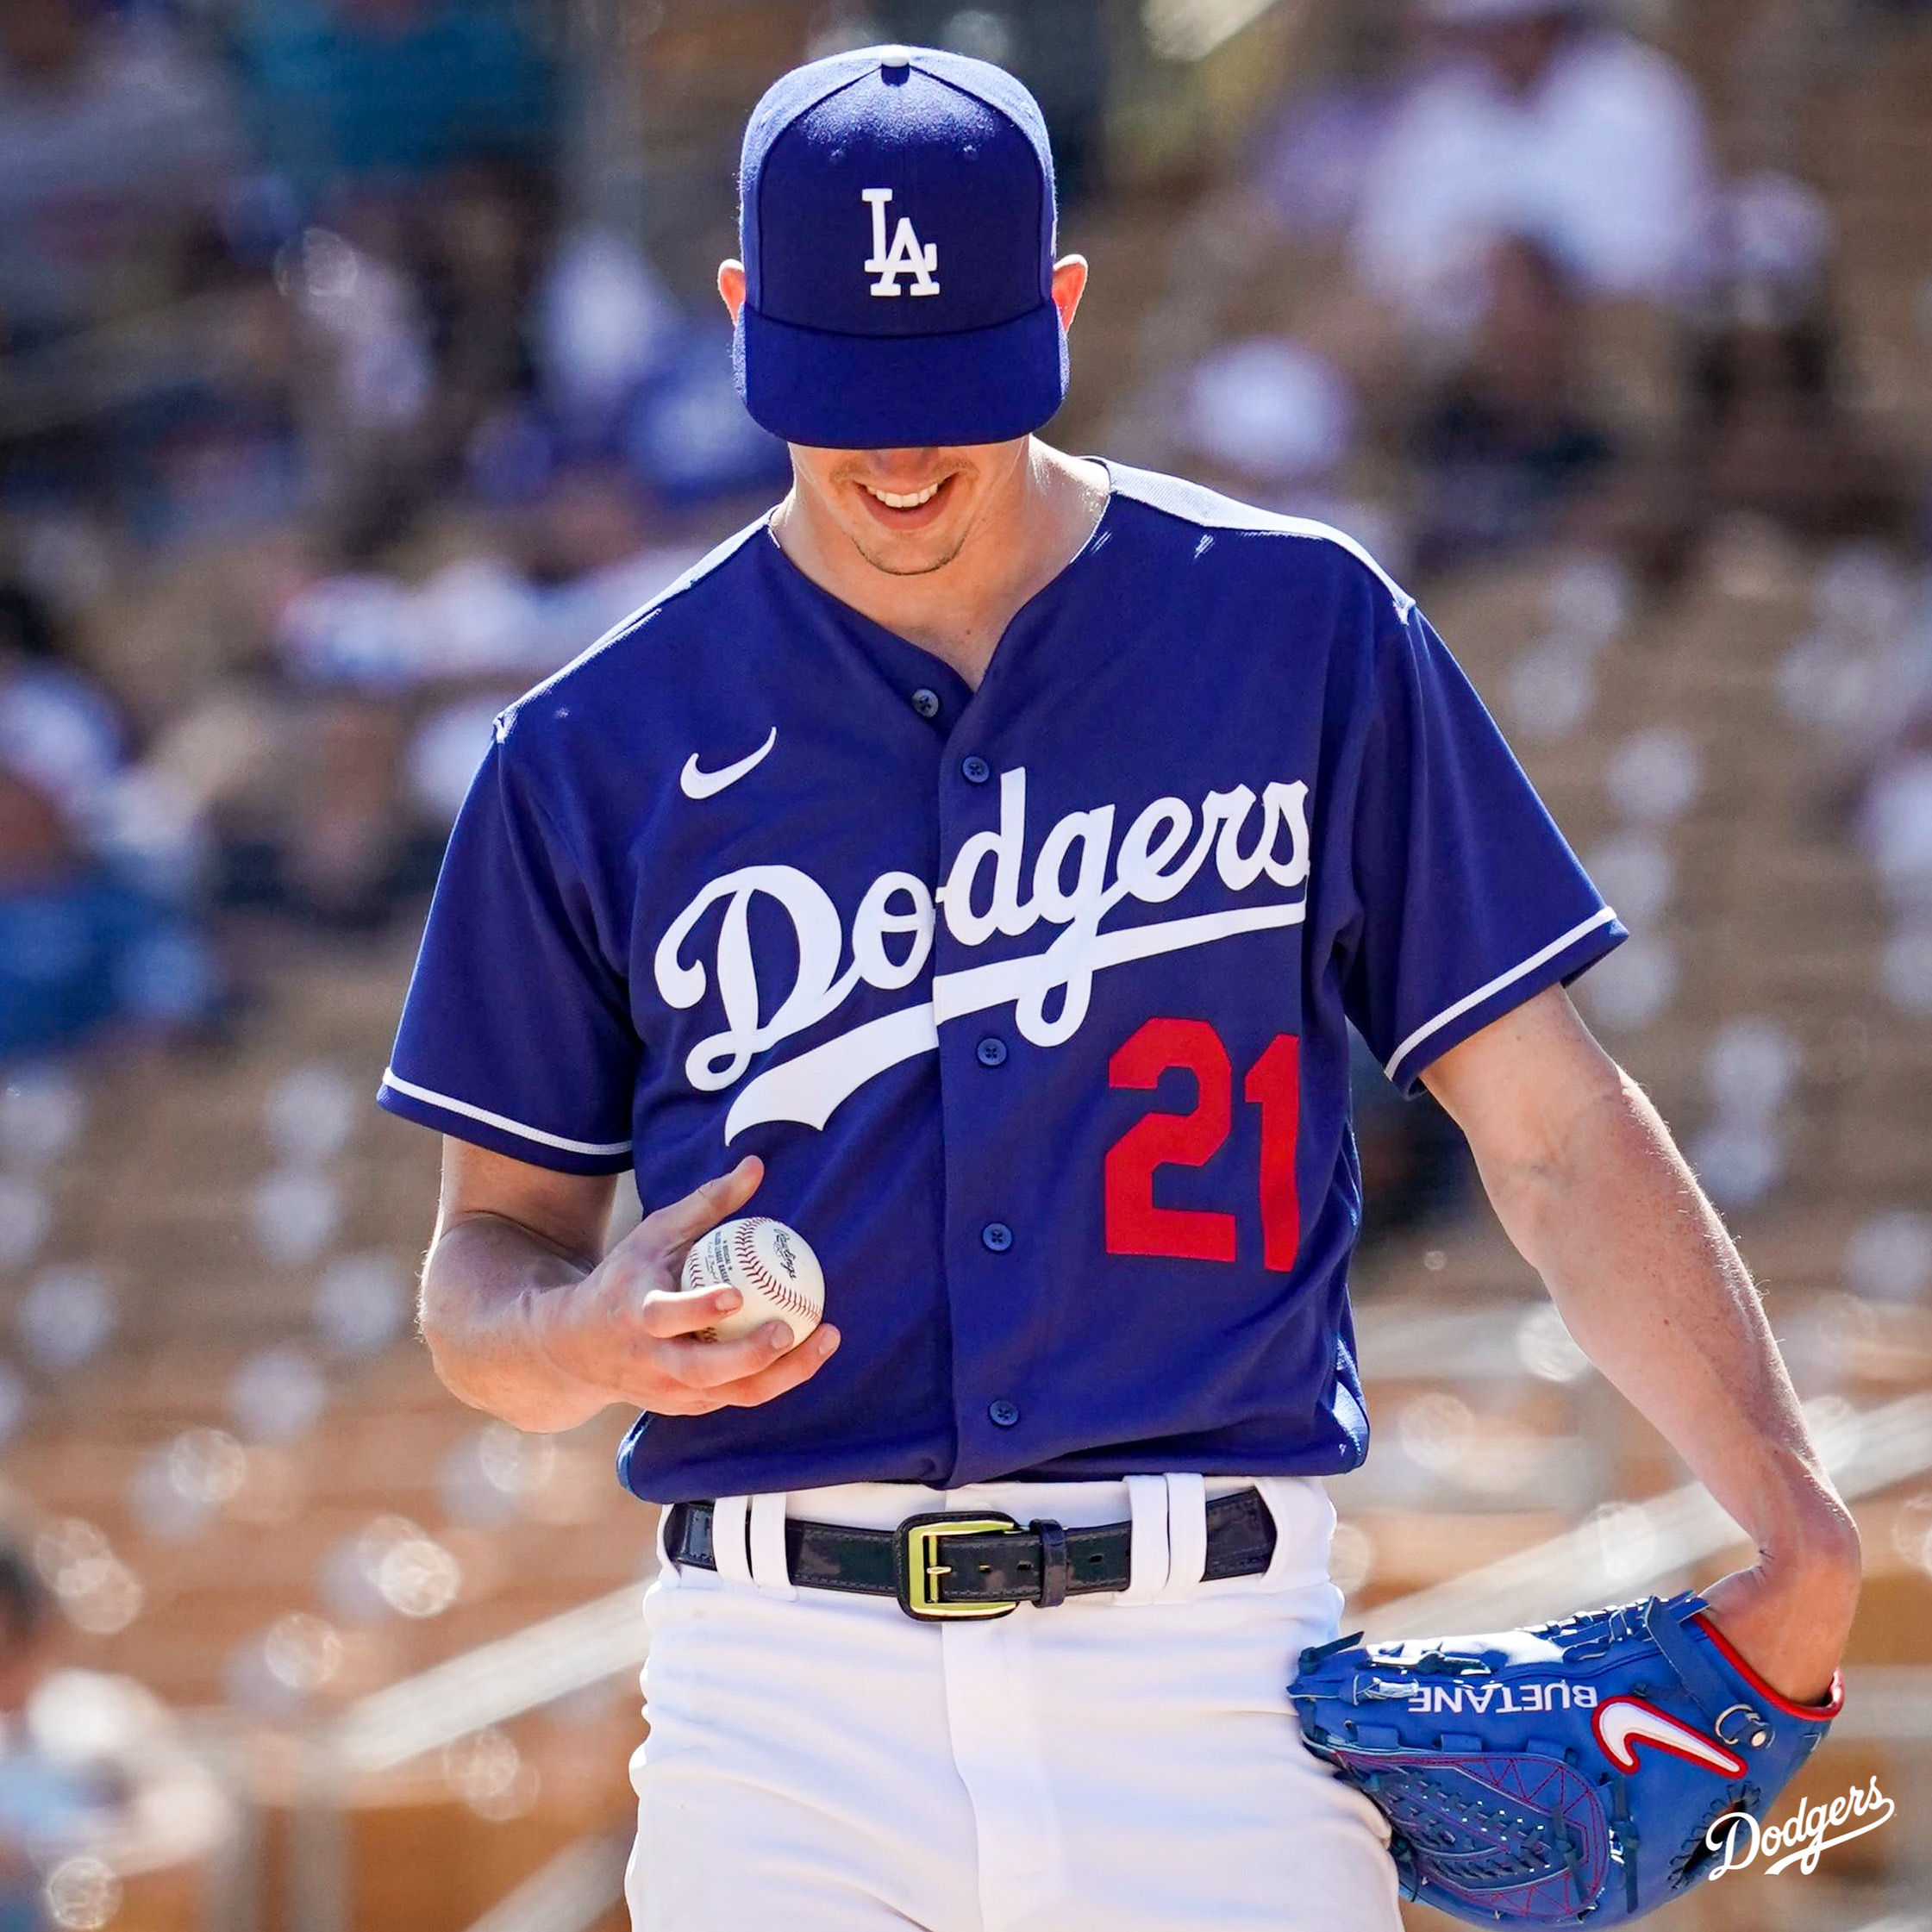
pixel 1567 1772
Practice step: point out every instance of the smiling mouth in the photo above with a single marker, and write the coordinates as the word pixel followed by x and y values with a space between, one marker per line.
pixel 907 509
pixel 893 500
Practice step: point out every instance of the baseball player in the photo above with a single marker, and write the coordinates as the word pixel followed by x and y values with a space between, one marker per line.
pixel 978 863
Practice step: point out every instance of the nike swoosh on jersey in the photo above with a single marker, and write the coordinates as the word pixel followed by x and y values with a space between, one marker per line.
pixel 696 784
pixel 1625 1723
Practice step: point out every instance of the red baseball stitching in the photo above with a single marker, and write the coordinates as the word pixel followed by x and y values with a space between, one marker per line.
pixel 745 1252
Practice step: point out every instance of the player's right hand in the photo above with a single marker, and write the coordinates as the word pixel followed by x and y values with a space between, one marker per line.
pixel 625 1330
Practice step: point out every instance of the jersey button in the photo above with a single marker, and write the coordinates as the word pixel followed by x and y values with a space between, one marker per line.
pixel 1003 1414
pixel 975 770
pixel 926 702
pixel 992 1052
pixel 997 1237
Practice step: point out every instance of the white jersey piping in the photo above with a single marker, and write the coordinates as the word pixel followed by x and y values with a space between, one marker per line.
pixel 501 1121
pixel 1495 985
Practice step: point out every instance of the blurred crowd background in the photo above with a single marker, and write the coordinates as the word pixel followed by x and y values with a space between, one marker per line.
pixel 359 365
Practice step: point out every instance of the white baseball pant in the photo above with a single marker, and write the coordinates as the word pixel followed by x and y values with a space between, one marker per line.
pixel 820 1762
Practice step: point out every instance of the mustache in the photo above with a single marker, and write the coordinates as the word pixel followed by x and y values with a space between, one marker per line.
pixel 894 481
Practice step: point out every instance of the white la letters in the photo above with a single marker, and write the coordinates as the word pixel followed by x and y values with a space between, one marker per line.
pixel 906 256
pixel 1071 889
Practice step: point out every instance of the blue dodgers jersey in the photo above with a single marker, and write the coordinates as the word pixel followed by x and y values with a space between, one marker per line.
pixel 1033 999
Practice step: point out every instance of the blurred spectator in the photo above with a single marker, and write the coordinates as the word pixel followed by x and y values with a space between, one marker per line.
pixel 489 232
pixel 369 380
pixel 388 675
pixel 1537 121
pixel 1768 430
pixel 463 339
pixel 603 326
pixel 1895 825
pixel 1891 732
pixel 383 93
pixel 310 818
pixel 64 1785
pixel 1310 168
pixel 1772 430
pixel 1273 412
pixel 594 553
pixel 27 1620
pixel 81 950
pixel 115 147
pixel 1505 448
pixel 220 456
pixel 590 555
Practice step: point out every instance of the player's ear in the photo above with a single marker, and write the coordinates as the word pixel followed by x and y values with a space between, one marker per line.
pixel 1070 284
pixel 731 286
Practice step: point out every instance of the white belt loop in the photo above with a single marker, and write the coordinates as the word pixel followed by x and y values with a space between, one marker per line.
pixel 769 1569
pixel 1187 1536
pixel 1304 1519
pixel 728 1548
pixel 1147 1562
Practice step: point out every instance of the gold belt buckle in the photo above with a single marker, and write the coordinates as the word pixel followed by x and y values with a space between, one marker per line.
pixel 921 1565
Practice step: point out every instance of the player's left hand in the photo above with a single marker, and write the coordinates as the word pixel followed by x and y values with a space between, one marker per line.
pixel 1790 1613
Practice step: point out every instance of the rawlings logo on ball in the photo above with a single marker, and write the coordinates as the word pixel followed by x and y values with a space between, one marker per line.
pixel 1540 1810
pixel 771 1265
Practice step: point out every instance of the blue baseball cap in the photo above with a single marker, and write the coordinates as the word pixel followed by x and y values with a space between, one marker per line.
pixel 896 217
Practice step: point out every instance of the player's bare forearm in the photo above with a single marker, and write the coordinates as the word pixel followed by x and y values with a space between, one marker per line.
pixel 480 1287
pixel 527 1318
pixel 1593 1192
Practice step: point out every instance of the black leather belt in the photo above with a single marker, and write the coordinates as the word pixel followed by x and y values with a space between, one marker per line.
pixel 960 1564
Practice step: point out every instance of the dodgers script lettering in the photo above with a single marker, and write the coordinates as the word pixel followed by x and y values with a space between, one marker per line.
pixel 1812 1829
pixel 1078 877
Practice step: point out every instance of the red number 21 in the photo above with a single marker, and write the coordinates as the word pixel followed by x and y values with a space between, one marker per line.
pixel 1135 1224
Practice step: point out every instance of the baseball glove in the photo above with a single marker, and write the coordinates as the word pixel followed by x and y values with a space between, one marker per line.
pixel 1567 1772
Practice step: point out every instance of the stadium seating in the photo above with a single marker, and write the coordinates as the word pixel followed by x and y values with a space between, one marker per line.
pixel 260 1503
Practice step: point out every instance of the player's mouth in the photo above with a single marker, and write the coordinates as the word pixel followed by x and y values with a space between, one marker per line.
pixel 907 509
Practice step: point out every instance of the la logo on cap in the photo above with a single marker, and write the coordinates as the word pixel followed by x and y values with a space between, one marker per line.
pixel 906 256
pixel 822 352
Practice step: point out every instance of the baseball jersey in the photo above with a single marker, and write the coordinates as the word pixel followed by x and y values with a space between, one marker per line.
pixel 1033 998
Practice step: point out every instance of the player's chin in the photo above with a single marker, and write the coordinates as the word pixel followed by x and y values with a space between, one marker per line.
pixel 907 559
pixel 910 552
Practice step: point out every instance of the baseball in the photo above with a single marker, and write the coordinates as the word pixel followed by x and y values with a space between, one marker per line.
pixel 771 1265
